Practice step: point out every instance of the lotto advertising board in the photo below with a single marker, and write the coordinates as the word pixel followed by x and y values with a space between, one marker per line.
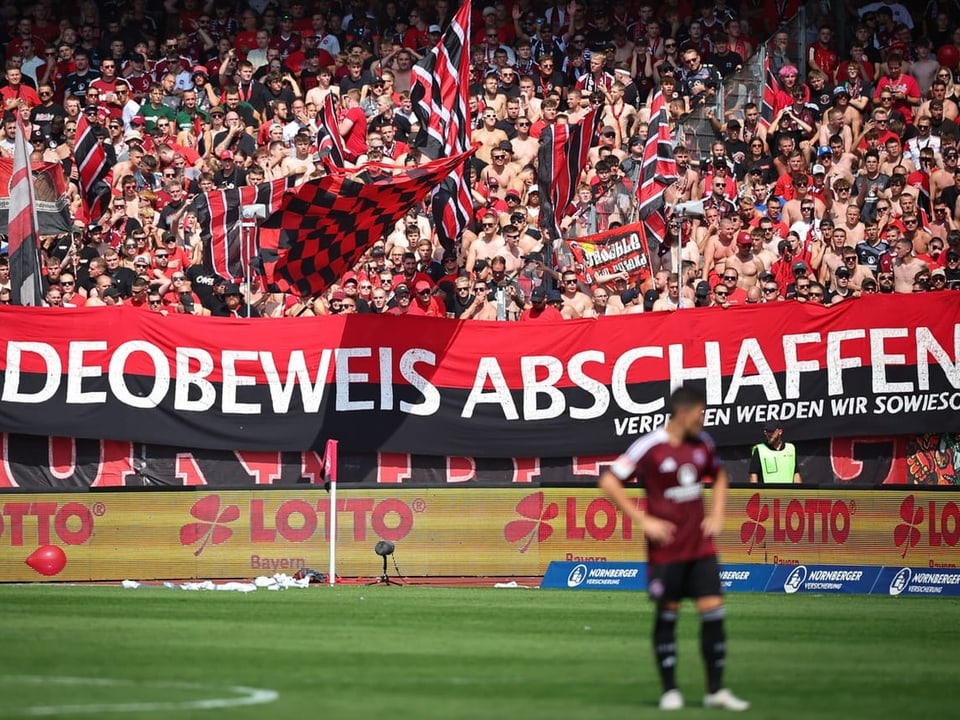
pixel 449 531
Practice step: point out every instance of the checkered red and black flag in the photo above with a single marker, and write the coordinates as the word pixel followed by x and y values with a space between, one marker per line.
pixel 562 157
pixel 440 93
pixel 329 142
pixel 327 224
pixel 92 170
pixel 219 217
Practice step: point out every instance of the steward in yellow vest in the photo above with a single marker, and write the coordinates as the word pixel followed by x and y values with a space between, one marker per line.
pixel 774 462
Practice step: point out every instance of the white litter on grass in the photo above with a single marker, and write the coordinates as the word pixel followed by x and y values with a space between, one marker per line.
pixel 280 581
pixel 511 584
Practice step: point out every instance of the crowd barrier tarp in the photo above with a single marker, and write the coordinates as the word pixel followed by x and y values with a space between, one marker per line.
pixel 416 385
pixel 513 531
pixel 28 461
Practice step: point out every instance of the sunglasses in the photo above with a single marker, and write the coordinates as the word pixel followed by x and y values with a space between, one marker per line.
pixel 488 226
pixel 571 281
pixel 609 134
pixel 770 289
pixel 423 293
pixel 178 278
pixel 732 278
pixel 463 289
pixel 803 287
pixel 67 282
pixel 721 294
pixel 161 255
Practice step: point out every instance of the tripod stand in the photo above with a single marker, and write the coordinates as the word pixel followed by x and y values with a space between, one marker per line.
pixel 385 578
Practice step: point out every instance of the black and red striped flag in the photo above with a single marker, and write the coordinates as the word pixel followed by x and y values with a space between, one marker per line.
pixel 768 98
pixel 219 217
pixel 562 157
pixel 327 224
pixel 440 93
pixel 329 141
pixel 92 169
pixel 22 235
pixel 657 171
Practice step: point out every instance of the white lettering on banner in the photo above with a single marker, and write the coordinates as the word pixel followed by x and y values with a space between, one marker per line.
pixel 836 575
pixel 615 250
pixel 408 371
pixel 233 379
pixel 901 360
pixel 881 359
pixel 11 376
pixel 613 573
pixel 489 368
pixel 804 410
pixel 899 404
pixel 345 377
pixel 596 389
pixel 925 578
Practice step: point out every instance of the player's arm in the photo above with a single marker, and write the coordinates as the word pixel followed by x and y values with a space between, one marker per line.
pixel 713 522
pixel 660 531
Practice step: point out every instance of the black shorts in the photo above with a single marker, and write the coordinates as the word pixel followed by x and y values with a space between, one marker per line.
pixel 673 582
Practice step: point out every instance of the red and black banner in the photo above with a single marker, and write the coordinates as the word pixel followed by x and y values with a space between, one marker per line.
pixel 30 462
pixel 434 386
pixel 622 249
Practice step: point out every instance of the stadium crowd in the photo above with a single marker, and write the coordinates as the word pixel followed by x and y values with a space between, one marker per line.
pixel 843 183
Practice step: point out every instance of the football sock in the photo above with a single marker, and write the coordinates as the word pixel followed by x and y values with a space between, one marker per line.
pixel 713 645
pixel 665 647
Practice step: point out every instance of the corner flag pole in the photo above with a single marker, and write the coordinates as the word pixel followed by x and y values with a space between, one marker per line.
pixel 330 471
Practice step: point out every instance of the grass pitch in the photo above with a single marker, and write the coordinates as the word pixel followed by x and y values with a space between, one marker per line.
pixel 422 653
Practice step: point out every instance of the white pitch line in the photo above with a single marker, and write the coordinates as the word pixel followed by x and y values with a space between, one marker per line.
pixel 247 696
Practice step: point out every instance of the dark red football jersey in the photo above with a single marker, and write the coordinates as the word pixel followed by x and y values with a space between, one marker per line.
pixel 673 477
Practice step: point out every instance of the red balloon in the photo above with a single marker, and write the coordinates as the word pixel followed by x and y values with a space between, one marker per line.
pixel 949 56
pixel 47 560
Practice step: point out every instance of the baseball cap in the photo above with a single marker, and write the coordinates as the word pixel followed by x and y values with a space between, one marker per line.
pixel 350 277
pixel 511 194
pixel 422 285
pixel 953 253
pixel 434 29
pixel 138 120
pixel 783 246
pixel 842 272
pixel 636 140
pixel 200 70
pixel 608 129
pixel 744 239
pixel 94 227
pixel 539 294
pixel 216 109
pixel 628 296
pixel 819 170
pixel 824 150
pixel 649 298
pixel 505 146
pixel 841 90
pixel 231 289
pixel 533 189
pixel 756 169
pixel 488 10
pixel 800 267
pixel 772 425
pixel 378 252
pixel 339 295
pixel 937 271
pixel 703 289
pixel 554 296
pixel 401 289
pixel 226 155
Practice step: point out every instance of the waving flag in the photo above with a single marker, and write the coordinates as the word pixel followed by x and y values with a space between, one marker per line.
pixel 327 224
pixel 768 99
pixel 562 157
pixel 22 237
pixel 226 251
pixel 440 92
pixel 329 142
pixel 92 169
pixel 657 171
